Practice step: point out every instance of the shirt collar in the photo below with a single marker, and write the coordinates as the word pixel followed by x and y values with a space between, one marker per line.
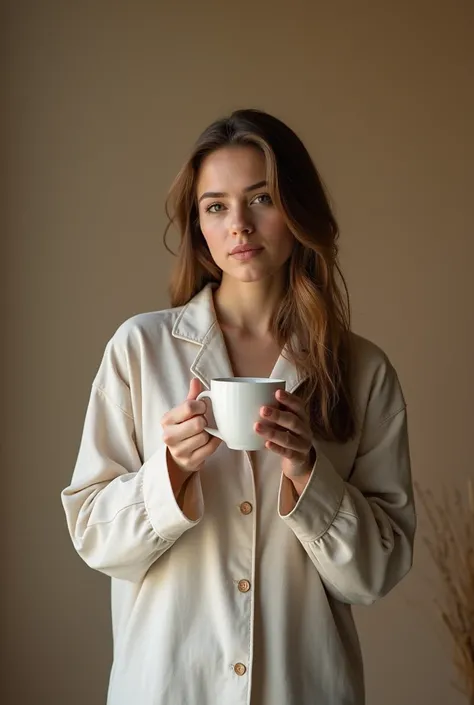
pixel 197 323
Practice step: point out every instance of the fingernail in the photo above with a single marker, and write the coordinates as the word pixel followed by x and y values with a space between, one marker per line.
pixel 258 426
pixel 281 393
pixel 266 411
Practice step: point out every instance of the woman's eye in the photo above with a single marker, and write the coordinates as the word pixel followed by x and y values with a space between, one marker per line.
pixel 214 208
pixel 263 199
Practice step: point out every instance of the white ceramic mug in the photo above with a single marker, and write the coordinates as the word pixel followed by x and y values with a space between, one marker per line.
pixel 236 403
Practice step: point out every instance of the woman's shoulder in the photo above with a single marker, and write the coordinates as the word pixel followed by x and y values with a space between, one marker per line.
pixel 133 344
pixel 150 325
pixel 374 377
pixel 367 353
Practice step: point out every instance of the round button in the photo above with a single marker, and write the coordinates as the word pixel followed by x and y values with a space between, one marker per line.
pixel 246 508
pixel 240 669
pixel 244 585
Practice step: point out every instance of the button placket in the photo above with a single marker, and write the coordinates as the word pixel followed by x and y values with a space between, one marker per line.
pixel 244 605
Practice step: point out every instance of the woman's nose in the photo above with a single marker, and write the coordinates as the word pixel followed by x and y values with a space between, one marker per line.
pixel 241 223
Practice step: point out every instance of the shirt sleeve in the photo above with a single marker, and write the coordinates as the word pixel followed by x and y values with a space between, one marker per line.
pixel 121 512
pixel 359 533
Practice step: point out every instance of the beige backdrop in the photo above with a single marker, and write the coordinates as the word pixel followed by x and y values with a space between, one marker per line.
pixel 103 101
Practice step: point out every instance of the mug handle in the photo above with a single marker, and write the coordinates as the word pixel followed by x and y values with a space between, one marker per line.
pixel 212 431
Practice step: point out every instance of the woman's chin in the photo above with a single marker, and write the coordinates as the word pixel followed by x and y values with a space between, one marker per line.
pixel 252 275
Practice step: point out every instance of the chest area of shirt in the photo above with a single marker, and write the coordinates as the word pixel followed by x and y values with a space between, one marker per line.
pixel 161 382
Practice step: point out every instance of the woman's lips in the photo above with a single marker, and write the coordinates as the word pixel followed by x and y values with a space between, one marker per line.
pixel 245 255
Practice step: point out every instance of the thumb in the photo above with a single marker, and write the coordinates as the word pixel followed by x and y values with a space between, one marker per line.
pixel 195 387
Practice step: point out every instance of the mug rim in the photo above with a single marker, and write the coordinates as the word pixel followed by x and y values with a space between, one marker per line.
pixel 248 380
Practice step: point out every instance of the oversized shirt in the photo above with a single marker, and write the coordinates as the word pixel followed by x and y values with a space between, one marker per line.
pixel 235 593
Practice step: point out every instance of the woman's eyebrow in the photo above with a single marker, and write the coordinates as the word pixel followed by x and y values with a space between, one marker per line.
pixel 221 194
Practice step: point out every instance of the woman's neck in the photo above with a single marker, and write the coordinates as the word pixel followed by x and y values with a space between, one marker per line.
pixel 248 307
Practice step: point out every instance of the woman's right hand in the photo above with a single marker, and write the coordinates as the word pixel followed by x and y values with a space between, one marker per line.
pixel 189 445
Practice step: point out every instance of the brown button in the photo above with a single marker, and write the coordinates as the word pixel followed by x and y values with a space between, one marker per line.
pixel 244 585
pixel 240 669
pixel 246 508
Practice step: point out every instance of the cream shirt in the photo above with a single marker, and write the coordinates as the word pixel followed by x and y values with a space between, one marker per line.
pixel 238 596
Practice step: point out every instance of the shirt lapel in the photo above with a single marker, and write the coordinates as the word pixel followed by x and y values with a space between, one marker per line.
pixel 197 323
pixel 284 369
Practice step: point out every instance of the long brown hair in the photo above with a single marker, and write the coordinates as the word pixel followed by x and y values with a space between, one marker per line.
pixel 313 319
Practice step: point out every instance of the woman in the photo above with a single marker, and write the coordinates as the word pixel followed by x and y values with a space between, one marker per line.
pixel 233 574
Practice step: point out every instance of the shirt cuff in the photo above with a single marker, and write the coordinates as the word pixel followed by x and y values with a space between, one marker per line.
pixel 166 517
pixel 318 504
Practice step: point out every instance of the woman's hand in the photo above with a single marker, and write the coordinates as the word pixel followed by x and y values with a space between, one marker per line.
pixel 188 443
pixel 288 434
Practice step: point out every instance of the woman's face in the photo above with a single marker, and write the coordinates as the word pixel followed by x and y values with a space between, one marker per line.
pixel 246 234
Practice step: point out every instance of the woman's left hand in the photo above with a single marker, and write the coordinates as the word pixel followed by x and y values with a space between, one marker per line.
pixel 288 434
